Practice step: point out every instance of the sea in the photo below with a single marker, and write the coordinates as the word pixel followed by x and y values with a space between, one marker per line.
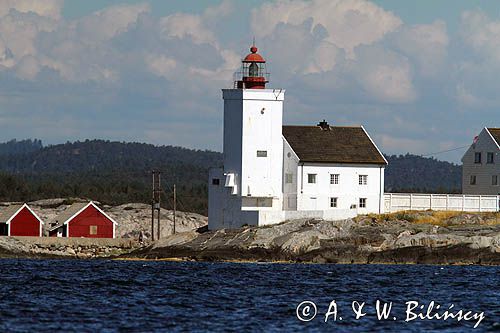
pixel 163 296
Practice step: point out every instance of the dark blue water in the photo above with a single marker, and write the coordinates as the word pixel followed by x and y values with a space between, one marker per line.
pixel 114 296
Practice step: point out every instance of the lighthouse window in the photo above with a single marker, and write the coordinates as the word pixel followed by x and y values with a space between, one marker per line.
pixel 253 70
pixel 261 153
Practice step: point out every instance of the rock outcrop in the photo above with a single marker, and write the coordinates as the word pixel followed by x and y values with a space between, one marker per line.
pixel 416 237
pixel 132 218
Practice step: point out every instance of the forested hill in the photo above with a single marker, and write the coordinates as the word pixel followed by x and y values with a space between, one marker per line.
pixel 411 173
pixel 110 172
pixel 118 172
pixel 20 147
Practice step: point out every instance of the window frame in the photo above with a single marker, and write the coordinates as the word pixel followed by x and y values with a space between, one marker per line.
pixel 472 180
pixel 362 202
pixel 314 178
pixel 363 180
pixel 261 153
pixel 334 178
pixel 288 178
pixel 93 230
pixel 488 160
pixel 334 202
pixel 477 157
pixel 494 180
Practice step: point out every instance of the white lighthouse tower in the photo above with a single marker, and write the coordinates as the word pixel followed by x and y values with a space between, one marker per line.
pixel 251 178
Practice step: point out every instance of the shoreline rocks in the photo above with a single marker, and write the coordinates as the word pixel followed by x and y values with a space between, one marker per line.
pixel 461 238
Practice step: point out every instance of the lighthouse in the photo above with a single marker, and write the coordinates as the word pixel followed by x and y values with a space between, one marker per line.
pixel 251 179
pixel 273 173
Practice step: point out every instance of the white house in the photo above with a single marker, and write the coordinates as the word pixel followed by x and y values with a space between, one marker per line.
pixel 481 164
pixel 273 173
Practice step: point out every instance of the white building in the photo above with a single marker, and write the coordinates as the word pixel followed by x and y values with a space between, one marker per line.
pixel 481 164
pixel 273 173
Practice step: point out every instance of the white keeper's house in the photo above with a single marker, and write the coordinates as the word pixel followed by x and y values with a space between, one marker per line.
pixel 273 173
pixel 481 164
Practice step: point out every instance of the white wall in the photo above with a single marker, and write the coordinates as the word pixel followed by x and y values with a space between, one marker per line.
pixel 452 202
pixel 483 171
pixel 253 122
pixel 348 191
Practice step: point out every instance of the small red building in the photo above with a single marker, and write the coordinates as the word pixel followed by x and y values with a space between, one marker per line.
pixel 83 220
pixel 20 220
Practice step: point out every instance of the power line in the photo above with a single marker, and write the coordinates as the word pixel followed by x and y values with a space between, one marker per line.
pixel 444 151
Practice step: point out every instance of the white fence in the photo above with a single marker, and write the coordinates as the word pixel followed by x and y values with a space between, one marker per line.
pixel 457 202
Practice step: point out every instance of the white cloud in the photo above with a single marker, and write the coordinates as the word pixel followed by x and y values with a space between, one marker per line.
pixel 426 44
pixel 384 74
pixel 482 34
pixel 196 27
pixel 48 8
pixel 107 23
pixel 161 65
pixel 347 23
pixel 122 72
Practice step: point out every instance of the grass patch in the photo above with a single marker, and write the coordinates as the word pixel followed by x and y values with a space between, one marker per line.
pixel 440 218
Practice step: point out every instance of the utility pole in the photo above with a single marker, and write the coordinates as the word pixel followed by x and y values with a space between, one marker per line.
pixel 155 205
pixel 175 206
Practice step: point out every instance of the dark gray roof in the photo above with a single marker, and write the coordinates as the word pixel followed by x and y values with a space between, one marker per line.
pixel 332 144
pixel 66 214
pixel 495 133
pixel 7 212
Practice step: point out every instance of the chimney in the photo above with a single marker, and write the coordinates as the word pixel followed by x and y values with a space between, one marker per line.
pixel 324 125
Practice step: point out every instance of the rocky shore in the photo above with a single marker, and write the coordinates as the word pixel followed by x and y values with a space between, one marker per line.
pixel 65 248
pixel 399 238
pixel 134 220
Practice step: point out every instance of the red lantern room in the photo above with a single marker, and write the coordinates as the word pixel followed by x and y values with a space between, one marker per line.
pixel 253 73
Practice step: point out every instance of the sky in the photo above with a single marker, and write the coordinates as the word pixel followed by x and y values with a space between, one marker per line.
pixel 422 77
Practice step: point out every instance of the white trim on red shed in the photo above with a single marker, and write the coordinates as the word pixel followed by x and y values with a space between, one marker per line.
pixel 25 205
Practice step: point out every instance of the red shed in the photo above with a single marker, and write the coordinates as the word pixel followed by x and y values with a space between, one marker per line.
pixel 83 220
pixel 20 220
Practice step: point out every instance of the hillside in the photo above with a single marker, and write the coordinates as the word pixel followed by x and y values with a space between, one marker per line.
pixel 111 172
pixel 411 173
pixel 119 172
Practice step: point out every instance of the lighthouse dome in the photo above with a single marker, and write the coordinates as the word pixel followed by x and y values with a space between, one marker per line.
pixel 254 56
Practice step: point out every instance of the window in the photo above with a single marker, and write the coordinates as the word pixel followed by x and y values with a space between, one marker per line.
pixel 490 159
pixel 93 230
pixel 473 180
pixel 215 181
pixel 334 179
pixel 494 180
pixel 311 178
pixel 477 158
pixel 333 202
pixel 362 202
pixel 288 178
pixel 261 153
pixel 363 179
